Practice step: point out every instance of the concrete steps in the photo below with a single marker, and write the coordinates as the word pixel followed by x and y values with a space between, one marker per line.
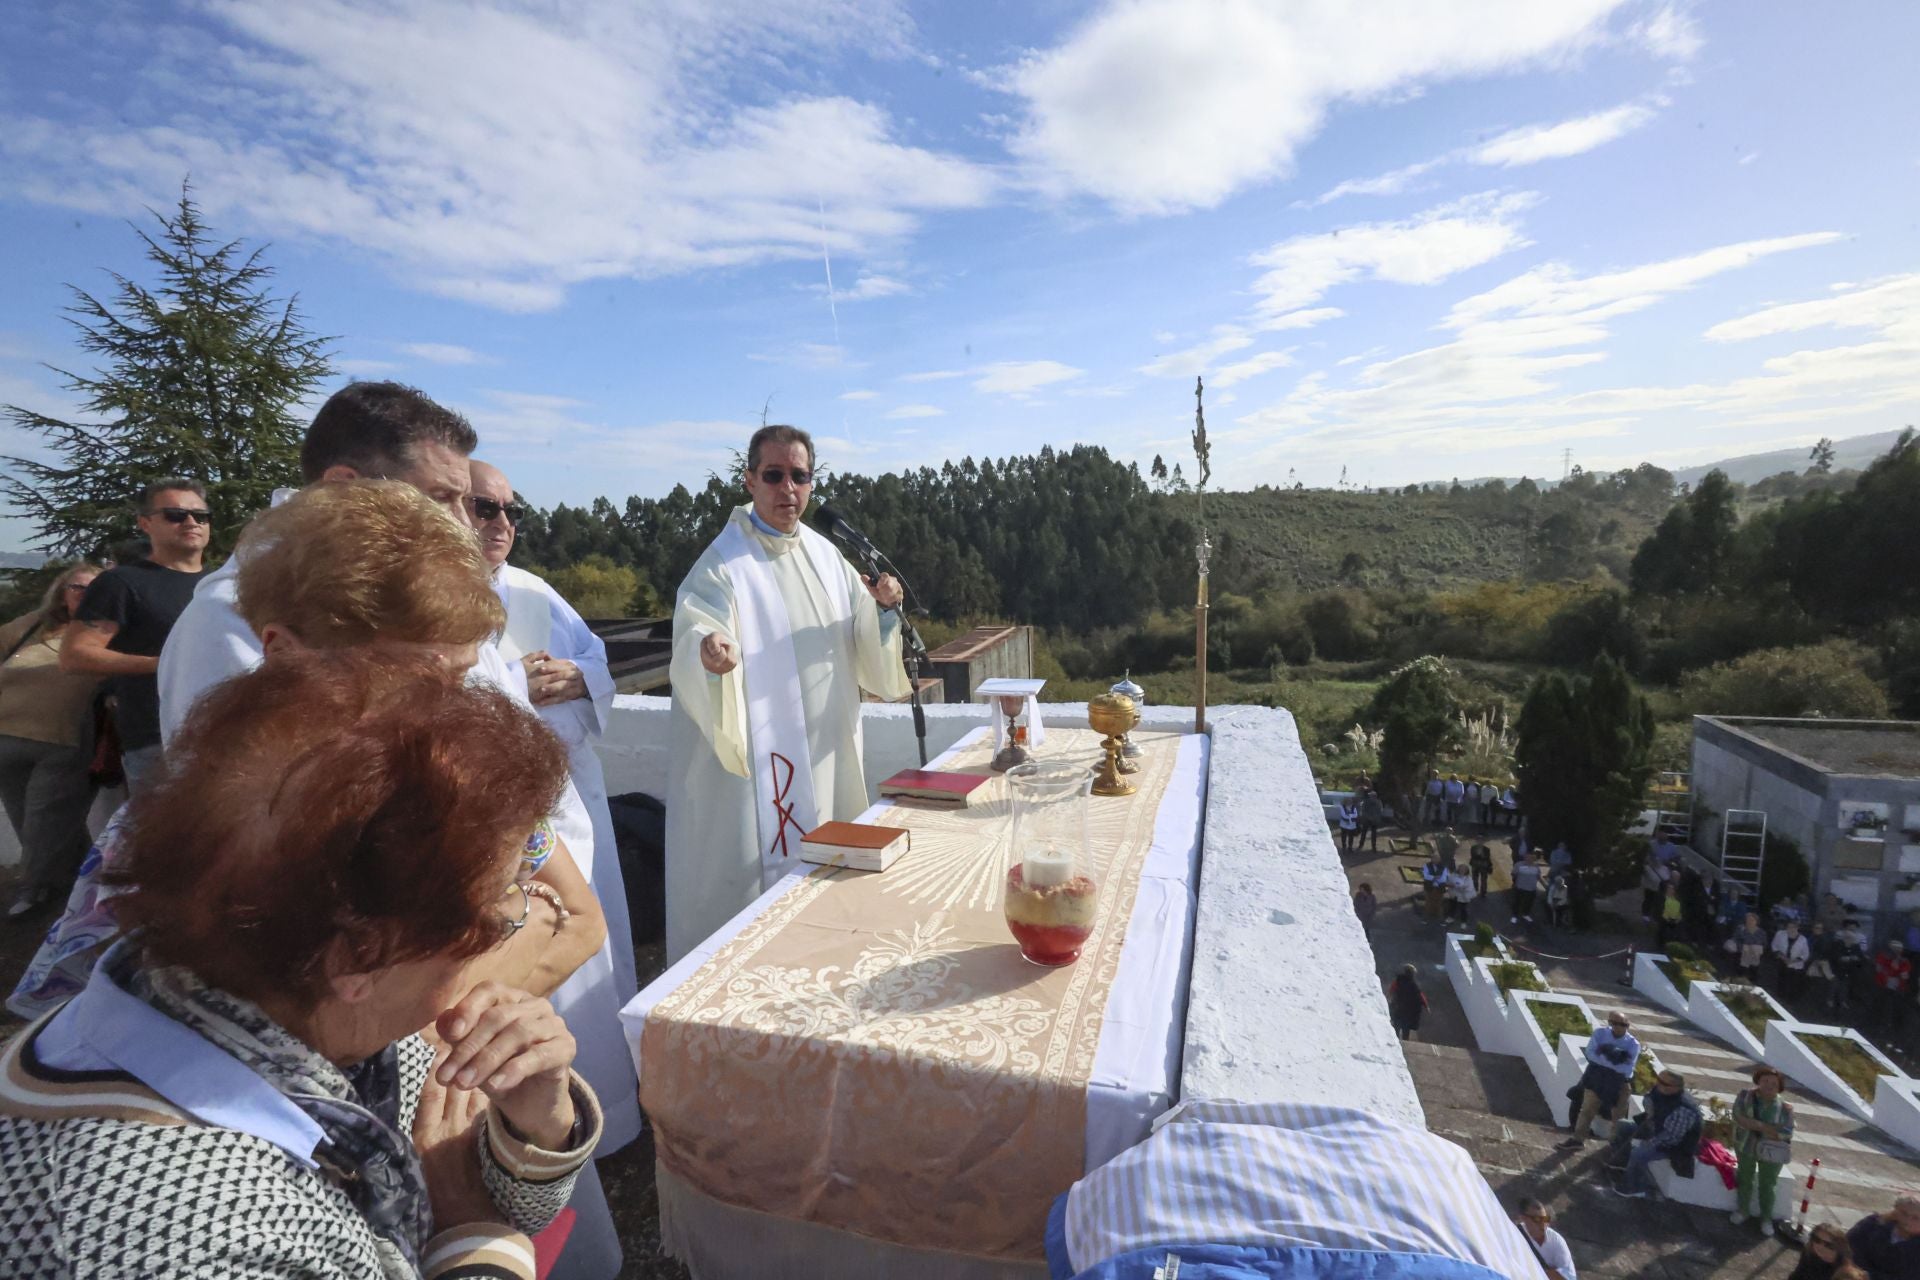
pixel 1860 1168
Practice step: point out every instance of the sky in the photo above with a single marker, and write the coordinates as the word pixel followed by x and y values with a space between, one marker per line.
pixel 1401 240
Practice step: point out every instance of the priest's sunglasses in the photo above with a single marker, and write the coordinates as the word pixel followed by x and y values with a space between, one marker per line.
pixel 180 515
pixel 485 509
pixel 778 475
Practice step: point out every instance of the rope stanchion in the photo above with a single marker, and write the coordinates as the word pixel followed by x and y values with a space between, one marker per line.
pixel 1626 979
pixel 1548 955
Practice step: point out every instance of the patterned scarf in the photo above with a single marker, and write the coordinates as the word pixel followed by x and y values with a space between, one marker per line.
pixel 365 1153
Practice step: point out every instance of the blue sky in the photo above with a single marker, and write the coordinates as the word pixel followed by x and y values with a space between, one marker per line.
pixel 1411 238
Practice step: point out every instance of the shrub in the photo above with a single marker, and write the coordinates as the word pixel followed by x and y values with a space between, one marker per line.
pixel 1558 1019
pixel 1684 973
pixel 1857 1068
pixel 1516 975
pixel 1829 679
pixel 1681 951
pixel 1750 1007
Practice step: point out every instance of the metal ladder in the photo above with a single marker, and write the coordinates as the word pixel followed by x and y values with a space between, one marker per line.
pixel 1672 803
pixel 1743 848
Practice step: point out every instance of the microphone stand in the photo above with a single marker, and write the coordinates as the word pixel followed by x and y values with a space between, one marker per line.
pixel 914 649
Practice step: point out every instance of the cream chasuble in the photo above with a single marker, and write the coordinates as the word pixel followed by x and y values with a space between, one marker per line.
pixel 721 850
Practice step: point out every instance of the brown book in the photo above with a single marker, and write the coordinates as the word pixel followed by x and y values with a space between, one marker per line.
pixel 860 845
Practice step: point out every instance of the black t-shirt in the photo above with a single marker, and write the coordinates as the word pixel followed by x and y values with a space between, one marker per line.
pixel 144 600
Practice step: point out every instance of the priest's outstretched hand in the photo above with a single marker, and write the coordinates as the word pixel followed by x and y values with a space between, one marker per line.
pixel 719 654
pixel 886 592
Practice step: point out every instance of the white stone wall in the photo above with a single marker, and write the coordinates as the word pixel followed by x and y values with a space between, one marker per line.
pixel 1284 1003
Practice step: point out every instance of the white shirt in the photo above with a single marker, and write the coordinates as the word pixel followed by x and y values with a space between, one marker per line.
pixel 1554 1253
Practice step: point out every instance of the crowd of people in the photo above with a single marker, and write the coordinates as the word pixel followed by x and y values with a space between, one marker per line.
pixel 1821 957
pixel 336 989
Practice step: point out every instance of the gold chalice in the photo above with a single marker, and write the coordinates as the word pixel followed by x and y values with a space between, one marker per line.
pixel 1112 715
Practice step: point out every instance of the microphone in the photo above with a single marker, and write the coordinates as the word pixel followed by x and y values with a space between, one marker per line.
pixel 839 526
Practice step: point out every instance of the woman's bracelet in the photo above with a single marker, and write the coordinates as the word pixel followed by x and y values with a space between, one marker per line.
pixel 540 889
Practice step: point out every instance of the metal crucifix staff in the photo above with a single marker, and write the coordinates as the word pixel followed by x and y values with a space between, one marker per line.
pixel 1203 551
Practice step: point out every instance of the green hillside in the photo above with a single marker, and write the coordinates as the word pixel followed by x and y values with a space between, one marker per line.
pixel 1432 539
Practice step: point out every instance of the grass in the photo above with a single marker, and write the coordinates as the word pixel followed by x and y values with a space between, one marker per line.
pixel 1474 949
pixel 1683 973
pixel 1558 1020
pixel 1750 1007
pixel 1644 1074
pixel 1854 1065
pixel 1516 975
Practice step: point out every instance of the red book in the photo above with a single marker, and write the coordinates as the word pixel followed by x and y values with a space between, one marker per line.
pixel 930 784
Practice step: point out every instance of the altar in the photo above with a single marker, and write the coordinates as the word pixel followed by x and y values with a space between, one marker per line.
pixel 859 1075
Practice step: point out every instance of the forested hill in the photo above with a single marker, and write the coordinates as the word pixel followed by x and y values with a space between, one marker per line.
pixel 1074 538
pixel 1310 539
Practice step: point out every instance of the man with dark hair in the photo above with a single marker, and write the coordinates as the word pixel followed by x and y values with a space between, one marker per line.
pixel 365 431
pixel 774 637
pixel 130 610
pixel 383 430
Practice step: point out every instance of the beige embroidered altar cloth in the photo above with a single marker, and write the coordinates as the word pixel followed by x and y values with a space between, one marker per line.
pixel 872 1053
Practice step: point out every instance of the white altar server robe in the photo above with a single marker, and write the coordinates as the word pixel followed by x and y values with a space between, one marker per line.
pixel 718 857
pixel 581 723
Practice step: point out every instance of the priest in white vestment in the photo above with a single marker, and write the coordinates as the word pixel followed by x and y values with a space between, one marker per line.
pixel 774 636
pixel 550 647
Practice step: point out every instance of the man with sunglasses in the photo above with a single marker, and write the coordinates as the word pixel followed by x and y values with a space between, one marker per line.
pixel 129 611
pixel 774 638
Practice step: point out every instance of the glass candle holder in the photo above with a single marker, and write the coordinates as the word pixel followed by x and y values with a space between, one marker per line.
pixel 1052 889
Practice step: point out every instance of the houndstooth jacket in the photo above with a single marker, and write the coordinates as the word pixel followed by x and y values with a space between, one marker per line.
pixel 103 1179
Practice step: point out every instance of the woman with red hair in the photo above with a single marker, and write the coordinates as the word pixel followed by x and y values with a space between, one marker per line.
pixel 240 1091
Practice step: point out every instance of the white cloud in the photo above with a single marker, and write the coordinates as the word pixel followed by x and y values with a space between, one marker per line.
pixel 1669 32
pixel 1496 384
pixel 442 352
pixel 1528 144
pixel 859 395
pixel 1537 142
pixel 933 375
pixel 1892 304
pixel 867 287
pixel 364 367
pixel 1305 318
pixel 1020 378
pixel 1422 250
pixel 1162 105
pixel 501 154
pixel 916 411
pixel 1199 358
pixel 1391 183
pixel 1265 362
pixel 809 355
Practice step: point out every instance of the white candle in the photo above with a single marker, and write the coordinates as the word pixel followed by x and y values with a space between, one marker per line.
pixel 1046 866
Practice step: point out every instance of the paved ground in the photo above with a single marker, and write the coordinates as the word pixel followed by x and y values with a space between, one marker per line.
pixel 1490 1105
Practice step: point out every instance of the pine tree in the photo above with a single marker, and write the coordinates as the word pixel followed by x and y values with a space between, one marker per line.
pixel 1583 754
pixel 1418 712
pixel 201 376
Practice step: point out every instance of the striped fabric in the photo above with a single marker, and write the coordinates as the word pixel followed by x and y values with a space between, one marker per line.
pixel 1312 1184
